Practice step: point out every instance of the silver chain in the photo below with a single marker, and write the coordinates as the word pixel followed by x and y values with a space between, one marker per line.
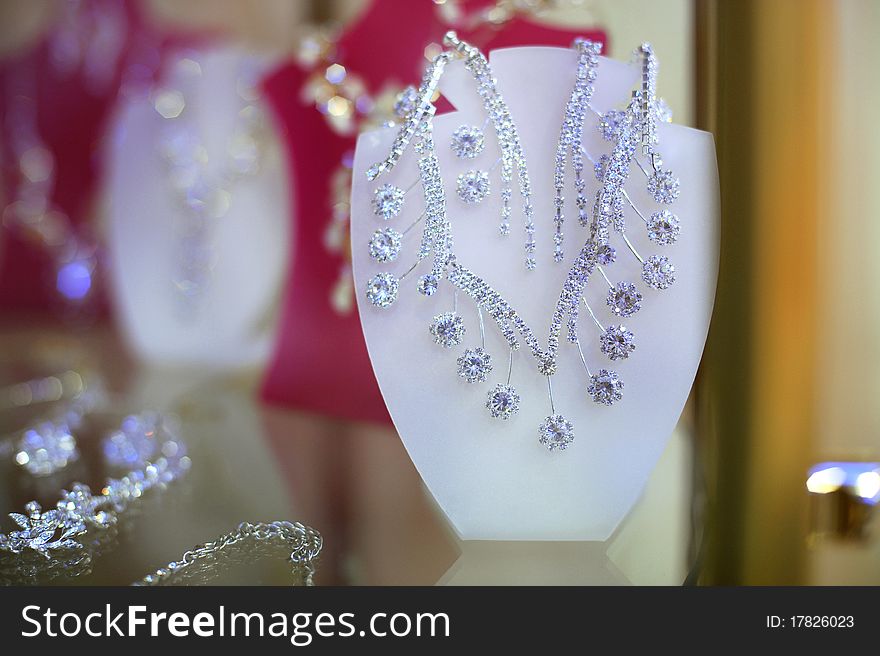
pixel 303 541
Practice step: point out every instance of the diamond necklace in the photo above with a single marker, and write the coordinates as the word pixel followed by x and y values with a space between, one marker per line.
pixel 447 329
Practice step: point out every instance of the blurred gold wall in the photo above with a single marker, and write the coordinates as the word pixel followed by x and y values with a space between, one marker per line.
pixel 766 66
pixel 789 376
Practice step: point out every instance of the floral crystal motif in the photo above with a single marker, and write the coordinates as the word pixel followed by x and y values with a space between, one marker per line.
pixel 447 329
pixel 427 284
pixel 503 402
pixel 624 299
pixel 388 201
pixel 474 365
pixel 473 186
pixel 385 245
pixel 468 141
pixel 606 254
pixel 658 272
pixel 664 186
pixel 382 289
pixel 605 387
pixel 78 510
pixel 617 342
pixel 556 433
pixel 40 531
pixel 663 227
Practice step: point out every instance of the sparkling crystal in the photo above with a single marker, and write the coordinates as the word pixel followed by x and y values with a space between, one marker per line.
pixel 556 433
pixel 503 402
pixel 385 245
pixel 663 227
pixel 600 167
pixel 663 186
pixel 46 448
pixel 606 255
pixel 119 492
pixel 133 444
pixel 658 272
pixel 387 201
pixel 428 284
pixel 406 102
pixel 663 111
pixel 41 531
pixel 468 141
pixel 79 508
pixel 547 365
pixel 474 365
pixel 448 329
pixel 605 387
pixel 473 186
pixel 382 289
pixel 624 299
pixel 617 342
pixel 610 124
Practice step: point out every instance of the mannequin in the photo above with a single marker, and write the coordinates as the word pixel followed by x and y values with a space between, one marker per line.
pixel 491 477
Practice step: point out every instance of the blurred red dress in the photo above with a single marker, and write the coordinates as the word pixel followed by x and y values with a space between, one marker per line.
pixel 320 363
pixel 68 83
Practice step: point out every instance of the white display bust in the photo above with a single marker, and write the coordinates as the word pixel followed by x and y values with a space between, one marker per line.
pixel 231 326
pixel 492 478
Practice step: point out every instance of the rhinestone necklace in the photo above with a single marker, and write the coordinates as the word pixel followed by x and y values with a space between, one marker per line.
pixel 637 121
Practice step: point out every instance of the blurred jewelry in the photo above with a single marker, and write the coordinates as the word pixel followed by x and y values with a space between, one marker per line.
pixel 302 542
pixel 204 189
pixel 65 386
pixel 64 528
pixel 32 212
pixel 134 443
pixel 46 448
pixel 49 445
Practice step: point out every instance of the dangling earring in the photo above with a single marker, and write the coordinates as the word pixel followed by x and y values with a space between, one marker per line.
pixel 663 185
pixel 512 156
pixel 570 138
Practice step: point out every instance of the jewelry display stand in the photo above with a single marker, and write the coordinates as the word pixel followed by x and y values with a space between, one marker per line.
pixel 231 327
pixel 492 478
pixel 650 547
